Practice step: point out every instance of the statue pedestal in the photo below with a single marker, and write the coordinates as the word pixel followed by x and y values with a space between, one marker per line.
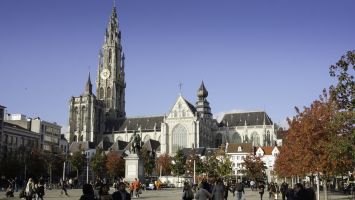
pixel 134 168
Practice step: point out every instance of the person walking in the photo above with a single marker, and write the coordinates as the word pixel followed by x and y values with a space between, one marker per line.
pixel 121 193
pixel 218 190
pixel 29 189
pixel 283 189
pixel 40 190
pixel 187 193
pixel 88 192
pixel 202 194
pixel 64 188
pixel 136 187
pixel 240 190
pixel 261 190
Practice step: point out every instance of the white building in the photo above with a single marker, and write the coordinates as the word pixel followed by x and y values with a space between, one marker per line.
pixel 238 152
pixel 268 155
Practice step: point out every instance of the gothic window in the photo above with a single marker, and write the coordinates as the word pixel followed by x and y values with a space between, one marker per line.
pixel 101 93
pixel 75 117
pixel 179 138
pixel 75 138
pixel 81 138
pixel 236 138
pixel 108 92
pixel 109 56
pixel 218 140
pixel 183 113
pixel 255 138
pixel 175 114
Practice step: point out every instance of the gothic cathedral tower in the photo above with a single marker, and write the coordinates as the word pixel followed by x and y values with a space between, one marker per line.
pixel 110 83
pixel 89 115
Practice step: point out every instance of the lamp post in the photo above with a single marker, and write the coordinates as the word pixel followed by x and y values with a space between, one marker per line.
pixel 194 171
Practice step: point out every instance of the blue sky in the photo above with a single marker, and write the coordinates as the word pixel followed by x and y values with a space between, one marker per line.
pixel 252 55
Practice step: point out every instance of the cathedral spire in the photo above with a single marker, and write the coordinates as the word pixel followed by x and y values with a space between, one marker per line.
pixel 88 87
pixel 202 105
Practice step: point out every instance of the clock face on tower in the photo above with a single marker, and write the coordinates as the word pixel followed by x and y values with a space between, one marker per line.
pixel 105 73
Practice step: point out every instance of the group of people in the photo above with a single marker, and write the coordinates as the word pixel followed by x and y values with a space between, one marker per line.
pixel 216 190
pixel 298 192
pixel 33 189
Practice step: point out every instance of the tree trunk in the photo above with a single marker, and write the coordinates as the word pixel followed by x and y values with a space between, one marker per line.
pixel 325 188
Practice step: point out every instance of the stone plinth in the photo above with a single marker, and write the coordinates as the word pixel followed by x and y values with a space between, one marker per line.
pixel 134 168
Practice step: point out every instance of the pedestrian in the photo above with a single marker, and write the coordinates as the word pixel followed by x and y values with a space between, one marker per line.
pixel 218 190
pixel 121 193
pixel 64 188
pixel 240 190
pixel 261 190
pixel 29 189
pixel 300 192
pixel 284 187
pixel 88 192
pixel 202 194
pixel 136 187
pixel 40 190
pixel 187 193
pixel 104 193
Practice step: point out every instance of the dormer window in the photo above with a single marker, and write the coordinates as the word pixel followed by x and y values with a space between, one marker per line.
pixel 239 149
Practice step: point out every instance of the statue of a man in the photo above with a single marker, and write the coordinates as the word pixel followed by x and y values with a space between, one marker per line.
pixel 135 143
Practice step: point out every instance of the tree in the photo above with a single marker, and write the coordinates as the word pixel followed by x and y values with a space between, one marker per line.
pixel 190 163
pixel 224 164
pixel 179 162
pixel 164 162
pixel 115 164
pixel 149 160
pixel 344 91
pixel 254 168
pixel 211 164
pixel 77 160
pixel 98 162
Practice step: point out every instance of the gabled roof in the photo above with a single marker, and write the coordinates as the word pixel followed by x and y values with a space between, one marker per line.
pixel 144 123
pixel 267 150
pixel 245 148
pixel 105 145
pixel 152 145
pixel 119 145
pixel 192 107
pixel 81 146
pixel 246 118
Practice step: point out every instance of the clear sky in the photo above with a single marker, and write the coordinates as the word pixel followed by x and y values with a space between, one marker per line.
pixel 252 55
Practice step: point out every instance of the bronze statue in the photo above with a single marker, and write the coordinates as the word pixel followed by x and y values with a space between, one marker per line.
pixel 135 143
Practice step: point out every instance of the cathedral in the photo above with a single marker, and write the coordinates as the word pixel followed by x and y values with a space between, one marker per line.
pixel 102 117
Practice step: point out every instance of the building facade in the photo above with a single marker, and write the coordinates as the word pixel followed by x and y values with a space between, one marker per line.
pixel 94 118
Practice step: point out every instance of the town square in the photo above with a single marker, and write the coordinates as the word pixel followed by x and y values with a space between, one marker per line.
pixel 177 100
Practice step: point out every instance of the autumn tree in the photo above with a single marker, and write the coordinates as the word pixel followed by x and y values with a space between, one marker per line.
pixel 190 163
pixel 115 164
pixel 98 162
pixel 164 163
pixel 254 168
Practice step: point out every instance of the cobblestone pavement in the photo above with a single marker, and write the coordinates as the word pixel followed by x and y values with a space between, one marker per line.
pixel 166 194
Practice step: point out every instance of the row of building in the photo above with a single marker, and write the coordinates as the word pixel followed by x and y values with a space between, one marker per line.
pixel 18 132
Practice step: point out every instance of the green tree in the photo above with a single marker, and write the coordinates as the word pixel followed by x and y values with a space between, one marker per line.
pixel 179 162
pixel 77 160
pixel 344 91
pixel 98 162
pixel 190 163
pixel 224 165
pixel 211 165
pixel 149 160
pixel 254 168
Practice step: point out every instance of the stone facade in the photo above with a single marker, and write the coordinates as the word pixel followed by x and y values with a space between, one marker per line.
pixel 103 117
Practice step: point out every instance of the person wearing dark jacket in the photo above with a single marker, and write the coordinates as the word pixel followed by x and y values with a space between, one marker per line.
pixel 121 193
pixel 300 192
pixel 88 192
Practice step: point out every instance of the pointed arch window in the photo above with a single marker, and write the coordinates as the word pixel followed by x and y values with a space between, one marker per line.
pixel 179 138
pixel 109 55
pixel 108 92
pixel 101 93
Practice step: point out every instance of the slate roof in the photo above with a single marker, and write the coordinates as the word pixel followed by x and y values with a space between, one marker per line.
pixel 105 145
pixel 81 146
pixel 192 107
pixel 246 148
pixel 152 145
pixel 250 118
pixel 144 123
pixel 119 145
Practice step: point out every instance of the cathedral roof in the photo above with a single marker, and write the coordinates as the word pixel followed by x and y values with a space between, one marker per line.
pixel 142 123
pixel 105 145
pixel 192 107
pixel 198 151
pixel 246 118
